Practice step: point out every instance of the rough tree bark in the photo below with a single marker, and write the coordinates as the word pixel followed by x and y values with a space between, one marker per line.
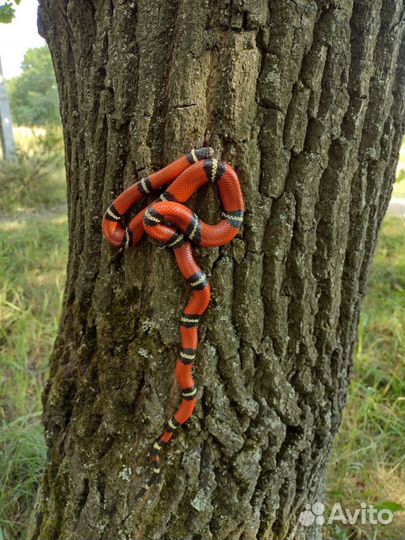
pixel 306 100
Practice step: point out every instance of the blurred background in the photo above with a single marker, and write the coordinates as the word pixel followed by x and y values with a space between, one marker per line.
pixel 368 458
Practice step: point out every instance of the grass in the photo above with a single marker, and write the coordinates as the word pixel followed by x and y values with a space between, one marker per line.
pixel 368 460
pixel 399 186
pixel 32 181
pixel 32 268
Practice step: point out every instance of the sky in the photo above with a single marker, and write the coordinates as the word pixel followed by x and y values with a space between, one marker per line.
pixel 19 36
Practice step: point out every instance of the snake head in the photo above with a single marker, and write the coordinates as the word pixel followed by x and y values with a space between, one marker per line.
pixel 199 154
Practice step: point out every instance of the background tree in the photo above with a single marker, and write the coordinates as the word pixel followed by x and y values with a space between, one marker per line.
pixel 306 100
pixel 33 94
pixel 7 143
pixel 7 10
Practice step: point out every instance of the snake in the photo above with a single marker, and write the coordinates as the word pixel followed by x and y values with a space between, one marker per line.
pixel 169 223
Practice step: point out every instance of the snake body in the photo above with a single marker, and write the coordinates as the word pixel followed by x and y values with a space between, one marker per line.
pixel 168 222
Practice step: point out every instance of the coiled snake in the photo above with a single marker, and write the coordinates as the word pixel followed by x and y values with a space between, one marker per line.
pixel 168 222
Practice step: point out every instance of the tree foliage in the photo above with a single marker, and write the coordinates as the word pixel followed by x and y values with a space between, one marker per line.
pixel 7 11
pixel 33 94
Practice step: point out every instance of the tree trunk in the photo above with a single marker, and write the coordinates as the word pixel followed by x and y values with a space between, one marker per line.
pixel 306 100
pixel 6 128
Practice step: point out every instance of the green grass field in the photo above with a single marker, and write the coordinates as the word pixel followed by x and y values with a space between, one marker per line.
pixel 33 251
pixel 368 460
